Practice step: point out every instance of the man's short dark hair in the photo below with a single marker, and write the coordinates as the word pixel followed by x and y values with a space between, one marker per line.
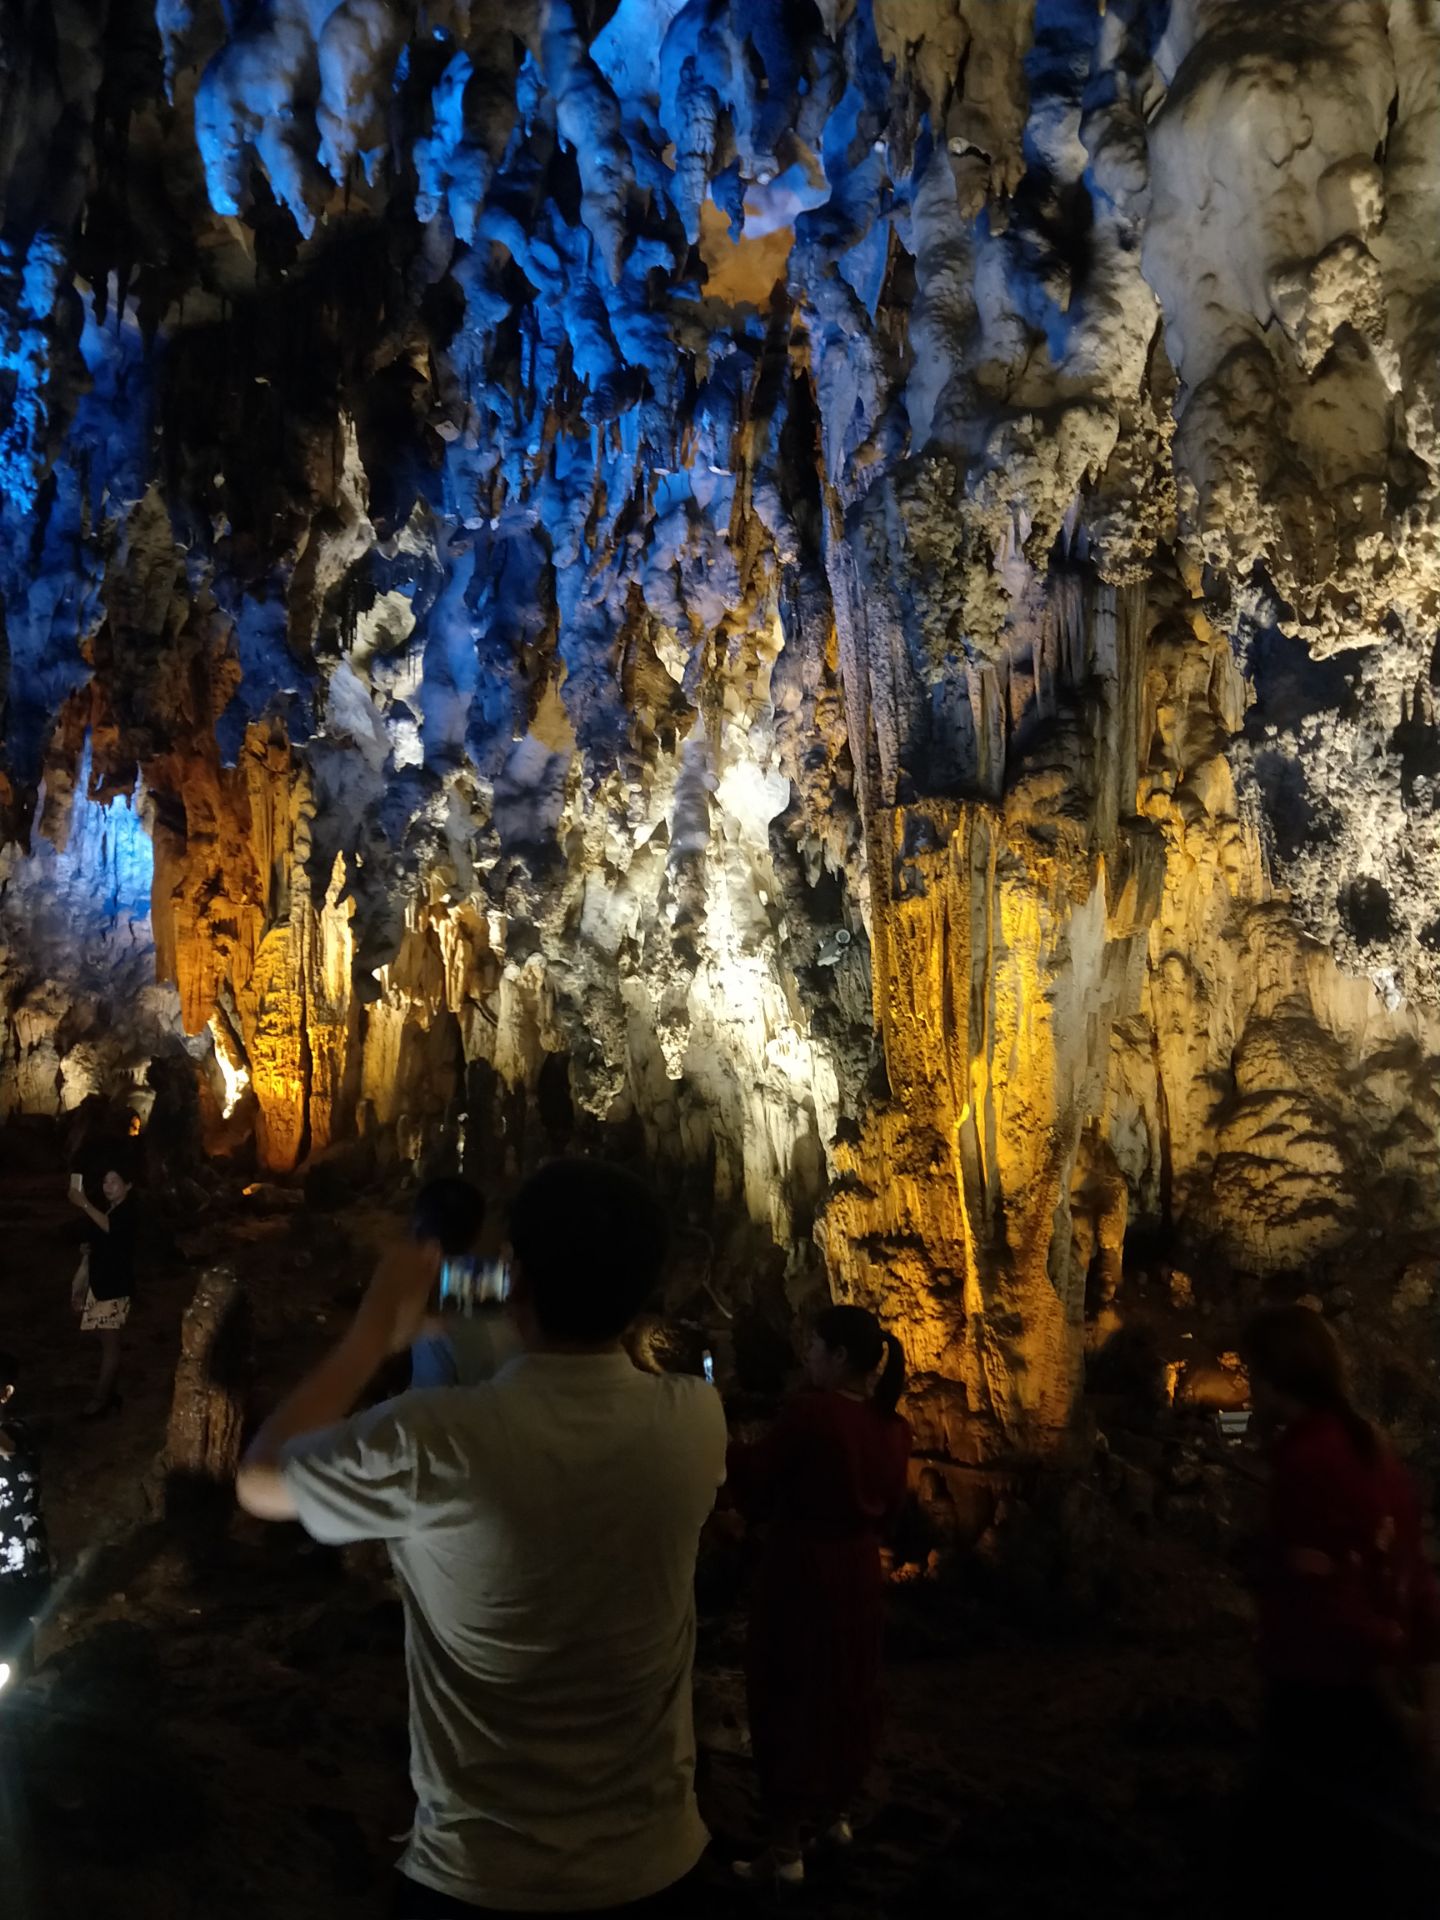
pixel 590 1240
pixel 450 1211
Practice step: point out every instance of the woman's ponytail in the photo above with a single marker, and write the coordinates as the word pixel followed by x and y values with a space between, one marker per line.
pixel 866 1344
pixel 891 1384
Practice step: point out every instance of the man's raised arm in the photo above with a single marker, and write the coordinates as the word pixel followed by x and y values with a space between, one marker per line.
pixel 387 1320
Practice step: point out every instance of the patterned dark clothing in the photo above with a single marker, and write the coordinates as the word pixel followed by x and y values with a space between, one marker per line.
pixel 24 1549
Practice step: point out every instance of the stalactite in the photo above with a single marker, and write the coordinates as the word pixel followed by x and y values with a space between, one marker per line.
pixel 721 562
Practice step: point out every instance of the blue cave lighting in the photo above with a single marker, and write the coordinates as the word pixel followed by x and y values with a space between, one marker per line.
pixel 107 867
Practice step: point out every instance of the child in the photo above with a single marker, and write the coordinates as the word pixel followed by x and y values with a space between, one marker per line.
pixel 830 1478
pixel 24 1551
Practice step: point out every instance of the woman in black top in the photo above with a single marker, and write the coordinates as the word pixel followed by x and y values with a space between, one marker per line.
pixel 101 1293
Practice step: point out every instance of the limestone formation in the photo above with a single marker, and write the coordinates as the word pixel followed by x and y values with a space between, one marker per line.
pixel 207 1413
pixel 841 597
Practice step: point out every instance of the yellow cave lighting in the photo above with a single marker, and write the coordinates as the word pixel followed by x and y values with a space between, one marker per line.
pixel 233 1073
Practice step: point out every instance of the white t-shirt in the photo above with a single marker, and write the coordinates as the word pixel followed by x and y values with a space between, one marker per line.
pixel 543 1528
pixel 467 1351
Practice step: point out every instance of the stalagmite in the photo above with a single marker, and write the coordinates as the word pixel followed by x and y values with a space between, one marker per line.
pixel 207 1412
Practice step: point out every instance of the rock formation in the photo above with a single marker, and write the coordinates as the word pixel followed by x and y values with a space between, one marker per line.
pixel 208 1406
pixel 839 594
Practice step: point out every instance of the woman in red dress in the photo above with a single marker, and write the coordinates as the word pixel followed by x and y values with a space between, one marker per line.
pixel 829 1480
pixel 1349 1634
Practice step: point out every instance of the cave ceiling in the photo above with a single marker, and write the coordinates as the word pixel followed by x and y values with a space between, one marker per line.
pixel 843 592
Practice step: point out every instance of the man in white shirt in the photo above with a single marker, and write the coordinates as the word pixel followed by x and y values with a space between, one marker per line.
pixel 543 1528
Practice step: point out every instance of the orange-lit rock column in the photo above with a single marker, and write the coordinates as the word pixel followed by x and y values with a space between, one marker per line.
pixel 234 919
pixel 999 964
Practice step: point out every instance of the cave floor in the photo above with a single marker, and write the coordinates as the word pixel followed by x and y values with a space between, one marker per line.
pixel 219 1731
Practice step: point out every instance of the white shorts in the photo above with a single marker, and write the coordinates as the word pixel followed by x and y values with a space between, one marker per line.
pixel 104 1316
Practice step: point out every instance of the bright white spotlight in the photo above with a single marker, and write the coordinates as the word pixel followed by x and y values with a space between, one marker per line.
pixel 4 1675
pixel 235 1076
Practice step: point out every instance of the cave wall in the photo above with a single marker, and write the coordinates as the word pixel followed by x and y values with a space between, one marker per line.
pixel 843 595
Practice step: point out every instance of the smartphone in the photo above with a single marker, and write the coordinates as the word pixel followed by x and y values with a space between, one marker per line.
pixel 707 1360
pixel 493 1277
pixel 466 1284
pixel 458 1286
pixel 77 1183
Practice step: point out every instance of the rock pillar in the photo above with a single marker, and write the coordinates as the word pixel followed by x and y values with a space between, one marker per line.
pixel 207 1412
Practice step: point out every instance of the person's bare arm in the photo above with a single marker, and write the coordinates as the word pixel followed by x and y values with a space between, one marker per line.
pixel 77 1199
pixel 386 1322
pixel 326 1395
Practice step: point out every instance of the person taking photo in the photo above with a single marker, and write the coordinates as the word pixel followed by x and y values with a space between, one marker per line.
pixel 543 1527
pixel 105 1280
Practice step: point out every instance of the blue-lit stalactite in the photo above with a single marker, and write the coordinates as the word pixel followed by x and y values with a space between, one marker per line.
pixel 53 509
pixel 105 869
pixel 483 252
pixel 593 406
pixel 423 322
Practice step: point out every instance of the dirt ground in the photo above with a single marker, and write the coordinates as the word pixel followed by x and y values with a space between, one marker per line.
pixel 219 1733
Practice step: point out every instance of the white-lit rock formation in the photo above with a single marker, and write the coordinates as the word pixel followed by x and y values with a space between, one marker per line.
pixel 841 595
